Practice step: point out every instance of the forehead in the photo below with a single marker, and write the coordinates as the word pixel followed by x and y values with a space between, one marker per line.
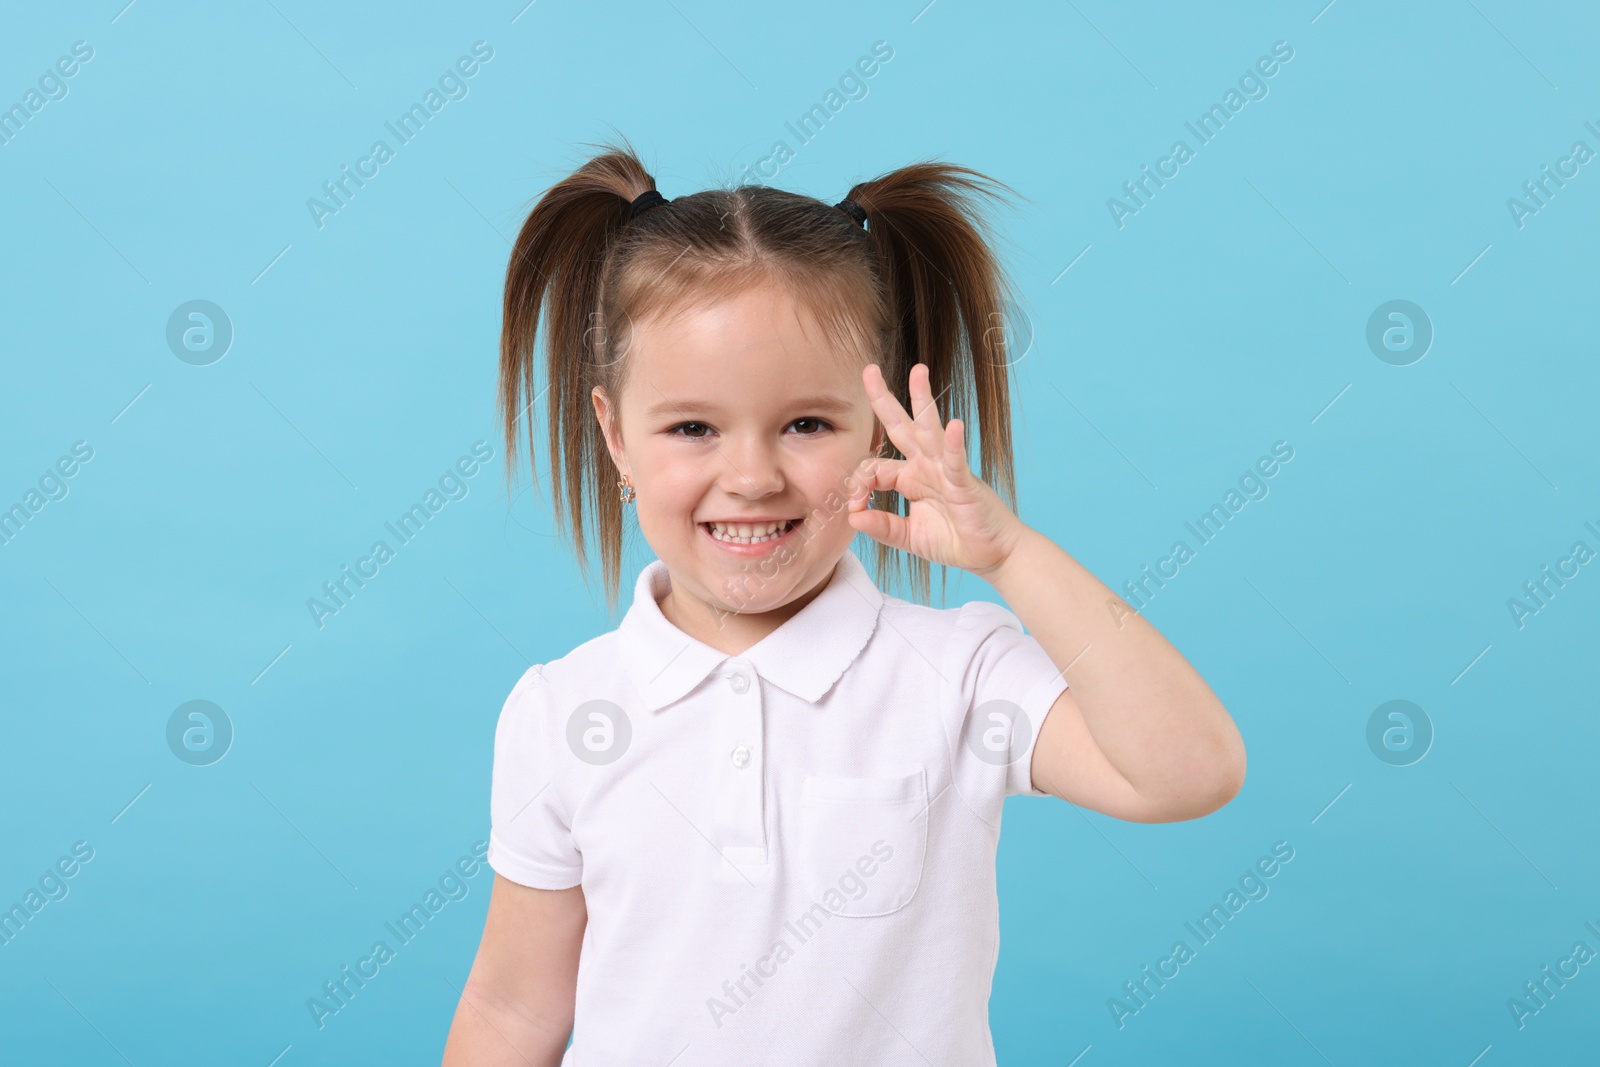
pixel 755 349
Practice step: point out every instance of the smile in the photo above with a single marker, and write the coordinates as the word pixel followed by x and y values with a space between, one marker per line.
pixel 749 535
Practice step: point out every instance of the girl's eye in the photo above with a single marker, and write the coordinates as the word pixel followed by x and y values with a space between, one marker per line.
pixel 821 424
pixel 700 431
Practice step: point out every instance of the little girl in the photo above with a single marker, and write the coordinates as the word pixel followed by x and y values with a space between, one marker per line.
pixel 756 823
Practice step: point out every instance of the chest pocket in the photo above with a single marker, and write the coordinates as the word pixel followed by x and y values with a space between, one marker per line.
pixel 862 842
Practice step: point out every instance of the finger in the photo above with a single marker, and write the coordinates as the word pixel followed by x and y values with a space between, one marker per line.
pixel 924 410
pixel 881 526
pixel 955 451
pixel 896 423
pixel 874 474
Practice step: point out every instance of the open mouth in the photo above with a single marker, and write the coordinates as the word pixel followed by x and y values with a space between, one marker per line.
pixel 737 534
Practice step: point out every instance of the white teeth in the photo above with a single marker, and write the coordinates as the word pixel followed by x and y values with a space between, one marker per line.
pixel 747 534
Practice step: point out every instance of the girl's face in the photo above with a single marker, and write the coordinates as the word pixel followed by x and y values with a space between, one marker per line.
pixel 735 417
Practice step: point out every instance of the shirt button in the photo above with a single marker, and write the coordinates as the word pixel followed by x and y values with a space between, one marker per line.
pixel 741 757
pixel 739 683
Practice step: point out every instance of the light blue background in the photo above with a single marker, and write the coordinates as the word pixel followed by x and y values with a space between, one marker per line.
pixel 1226 315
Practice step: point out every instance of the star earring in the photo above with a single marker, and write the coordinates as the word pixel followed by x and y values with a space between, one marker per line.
pixel 626 490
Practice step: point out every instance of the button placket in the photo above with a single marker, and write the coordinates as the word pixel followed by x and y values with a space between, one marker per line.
pixel 739 681
pixel 743 811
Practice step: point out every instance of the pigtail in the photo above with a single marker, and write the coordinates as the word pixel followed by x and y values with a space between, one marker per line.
pixel 947 300
pixel 557 266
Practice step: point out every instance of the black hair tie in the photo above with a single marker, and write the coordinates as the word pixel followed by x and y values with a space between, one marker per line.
pixel 645 201
pixel 854 210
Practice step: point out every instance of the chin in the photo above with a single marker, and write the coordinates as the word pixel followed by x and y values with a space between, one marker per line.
pixel 794 580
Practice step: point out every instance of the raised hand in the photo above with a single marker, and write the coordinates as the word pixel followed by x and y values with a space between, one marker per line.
pixel 955 518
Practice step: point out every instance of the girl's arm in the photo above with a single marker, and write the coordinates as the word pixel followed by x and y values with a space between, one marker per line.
pixel 516 1008
pixel 1139 735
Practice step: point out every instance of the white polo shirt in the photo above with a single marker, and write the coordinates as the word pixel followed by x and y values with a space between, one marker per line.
pixel 788 856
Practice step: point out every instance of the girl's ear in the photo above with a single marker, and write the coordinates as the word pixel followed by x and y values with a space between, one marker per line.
pixel 604 413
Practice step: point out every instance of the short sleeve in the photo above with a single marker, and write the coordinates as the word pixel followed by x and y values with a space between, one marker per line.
pixel 1001 685
pixel 530 834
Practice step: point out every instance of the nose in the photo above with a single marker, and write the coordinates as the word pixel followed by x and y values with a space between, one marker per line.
pixel 753 467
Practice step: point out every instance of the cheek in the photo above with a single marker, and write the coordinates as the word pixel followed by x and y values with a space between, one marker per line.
pixel 824 477
pixel 840 462
pixel 674 485
pixel 829 476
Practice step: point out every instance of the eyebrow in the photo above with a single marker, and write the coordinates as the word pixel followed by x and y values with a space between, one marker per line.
pixel 832 405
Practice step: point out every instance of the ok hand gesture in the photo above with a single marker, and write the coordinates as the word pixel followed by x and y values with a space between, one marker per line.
pixel 955 518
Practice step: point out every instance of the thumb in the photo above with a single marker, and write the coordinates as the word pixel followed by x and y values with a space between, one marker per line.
pixel 882 526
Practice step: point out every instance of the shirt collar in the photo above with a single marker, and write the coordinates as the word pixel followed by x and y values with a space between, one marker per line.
pixel 805 656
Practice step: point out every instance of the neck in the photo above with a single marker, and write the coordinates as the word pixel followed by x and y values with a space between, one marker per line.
pixel 731 632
